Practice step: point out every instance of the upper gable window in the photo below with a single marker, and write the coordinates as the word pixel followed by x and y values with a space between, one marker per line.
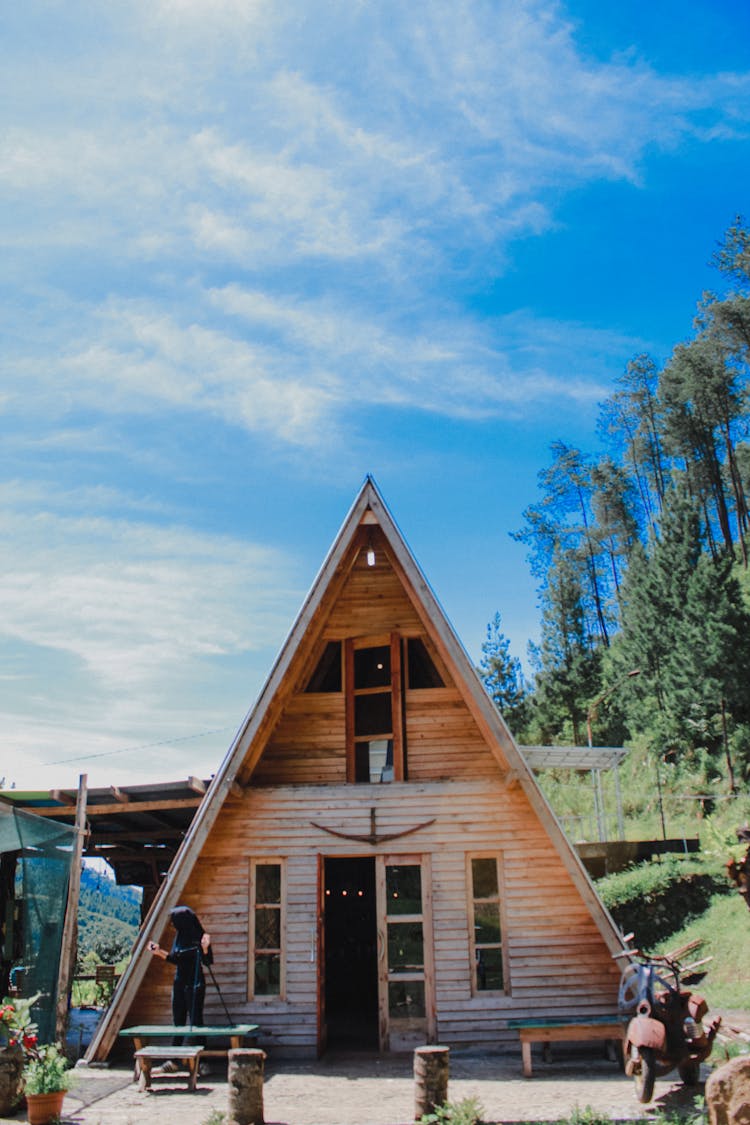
pixel 327 675
pixel 373 711
pixel 422 670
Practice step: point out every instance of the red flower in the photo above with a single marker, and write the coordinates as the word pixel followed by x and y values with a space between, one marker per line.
pixel 29 1041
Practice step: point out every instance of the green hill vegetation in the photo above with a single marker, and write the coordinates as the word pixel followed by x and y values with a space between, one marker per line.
pixel 108 920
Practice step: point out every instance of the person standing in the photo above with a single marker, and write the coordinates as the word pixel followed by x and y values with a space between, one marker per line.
pixel 191 950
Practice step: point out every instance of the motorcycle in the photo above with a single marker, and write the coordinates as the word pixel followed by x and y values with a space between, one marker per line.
pixel 665 1028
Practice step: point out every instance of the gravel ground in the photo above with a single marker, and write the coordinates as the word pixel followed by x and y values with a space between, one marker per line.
pixel 370 1089
pixel 357 1089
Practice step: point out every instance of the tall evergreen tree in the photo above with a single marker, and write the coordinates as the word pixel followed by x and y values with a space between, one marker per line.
pixel 686 628
pixel 567 664
pixel 631 423
pixel 503 676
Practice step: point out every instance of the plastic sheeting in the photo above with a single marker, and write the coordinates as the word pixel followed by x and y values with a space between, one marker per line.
pixel 35 860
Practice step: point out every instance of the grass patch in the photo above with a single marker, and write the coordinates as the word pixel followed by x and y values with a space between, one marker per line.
pixel 725 932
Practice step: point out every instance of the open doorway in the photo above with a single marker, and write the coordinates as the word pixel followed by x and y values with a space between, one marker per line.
pixel 351 957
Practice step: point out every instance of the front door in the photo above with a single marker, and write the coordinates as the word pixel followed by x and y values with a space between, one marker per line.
pixel 378 988
pixel 405 975
pixel 350 986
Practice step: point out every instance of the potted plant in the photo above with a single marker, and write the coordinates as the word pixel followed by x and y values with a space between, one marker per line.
pixel 46 1079
pixel 17 1039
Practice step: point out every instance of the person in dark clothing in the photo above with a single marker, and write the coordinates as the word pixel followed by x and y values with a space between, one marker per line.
pixel 191 950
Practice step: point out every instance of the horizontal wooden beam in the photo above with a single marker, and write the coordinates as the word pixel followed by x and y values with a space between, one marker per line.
pixel 130 809
pixel 63 797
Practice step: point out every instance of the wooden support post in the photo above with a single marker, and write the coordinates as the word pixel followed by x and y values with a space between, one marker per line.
pixel 69 947
pixel 245 1083
pixel 430 1079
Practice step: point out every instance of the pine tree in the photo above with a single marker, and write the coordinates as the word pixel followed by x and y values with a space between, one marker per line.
pixel 503 676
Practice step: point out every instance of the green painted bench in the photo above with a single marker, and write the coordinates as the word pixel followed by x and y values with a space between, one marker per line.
pixel 144 1033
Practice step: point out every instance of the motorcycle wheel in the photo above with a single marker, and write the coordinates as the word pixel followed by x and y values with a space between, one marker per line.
pixel 690 1072
pixel 646 1074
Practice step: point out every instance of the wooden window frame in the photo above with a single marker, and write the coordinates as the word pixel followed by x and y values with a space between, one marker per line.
pixel 255 863
pixel 470 906
pixel 424 918
pixel 352 645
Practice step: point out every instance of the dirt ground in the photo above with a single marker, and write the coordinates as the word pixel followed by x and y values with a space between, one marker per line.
pixel 356 1089
pixel 371 1089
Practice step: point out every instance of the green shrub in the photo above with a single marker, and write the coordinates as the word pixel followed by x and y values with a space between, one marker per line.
pixel 466 1112
pixel 658 898
pixel 46 1071
pixel 587 1116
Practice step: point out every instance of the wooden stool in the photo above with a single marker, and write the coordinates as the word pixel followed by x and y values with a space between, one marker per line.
pixel 146 1056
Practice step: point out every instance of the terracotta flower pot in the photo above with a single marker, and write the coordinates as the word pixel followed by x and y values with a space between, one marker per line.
pixel 11 1079
pixel 41 1108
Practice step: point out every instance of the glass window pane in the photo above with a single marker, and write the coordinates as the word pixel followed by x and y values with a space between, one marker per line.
pixel 406 1000
pixel 362 761
pixel 486 922
pixel 484 878
pixel 489 970
pixel 372 667
pixel 372 714
pixel 267 974
pixel 405 947
pixel 267 928
pixel 403 889
pixel 422 671
pixel 268 882
pixel 327 675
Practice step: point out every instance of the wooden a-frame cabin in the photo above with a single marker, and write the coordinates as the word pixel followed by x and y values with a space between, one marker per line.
pixel 374 860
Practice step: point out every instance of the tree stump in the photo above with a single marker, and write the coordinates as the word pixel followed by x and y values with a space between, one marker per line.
pixel 245 1082
pixel 430 1079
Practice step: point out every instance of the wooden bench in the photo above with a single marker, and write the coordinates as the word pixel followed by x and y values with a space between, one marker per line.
pixel 146 1056
pixel 235 1033
pixel 557 1030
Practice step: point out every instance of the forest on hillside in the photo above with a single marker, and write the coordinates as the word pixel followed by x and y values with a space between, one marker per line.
pixel 109 917
pixel 640 551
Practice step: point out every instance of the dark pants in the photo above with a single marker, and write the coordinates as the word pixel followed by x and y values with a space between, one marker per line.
pixel 187 1005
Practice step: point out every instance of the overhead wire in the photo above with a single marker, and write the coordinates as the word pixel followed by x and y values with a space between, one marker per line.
pixel 135 749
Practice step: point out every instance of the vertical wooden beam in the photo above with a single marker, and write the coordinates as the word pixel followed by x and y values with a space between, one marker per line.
pixel 349 704
pixel 70 927
pixel 397 709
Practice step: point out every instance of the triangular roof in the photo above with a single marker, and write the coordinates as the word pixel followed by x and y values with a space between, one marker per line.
pixel 234 774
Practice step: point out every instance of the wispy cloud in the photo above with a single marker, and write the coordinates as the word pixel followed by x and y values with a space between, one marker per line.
pixel 269 231
pixel 132 600
pixel 122 629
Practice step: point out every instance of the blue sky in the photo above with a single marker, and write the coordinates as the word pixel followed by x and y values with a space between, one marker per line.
pixel 253 251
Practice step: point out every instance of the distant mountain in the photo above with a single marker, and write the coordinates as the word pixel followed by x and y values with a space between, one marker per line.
pixel 109 917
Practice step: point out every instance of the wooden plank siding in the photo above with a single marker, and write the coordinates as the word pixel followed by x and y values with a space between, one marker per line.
pixel 558 962
pixel 308 745
pixel 468 792
pixel 372 600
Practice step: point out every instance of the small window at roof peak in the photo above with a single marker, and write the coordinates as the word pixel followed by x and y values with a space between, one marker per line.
pixel 327 675
pixel 422 671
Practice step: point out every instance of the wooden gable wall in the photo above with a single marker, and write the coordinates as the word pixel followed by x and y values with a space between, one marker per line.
pixel 468 792
pixel 307 745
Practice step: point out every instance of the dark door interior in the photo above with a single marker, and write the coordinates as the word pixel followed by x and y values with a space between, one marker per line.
pixel 351 968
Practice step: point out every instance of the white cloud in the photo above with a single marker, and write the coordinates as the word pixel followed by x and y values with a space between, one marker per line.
pixel 132 601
